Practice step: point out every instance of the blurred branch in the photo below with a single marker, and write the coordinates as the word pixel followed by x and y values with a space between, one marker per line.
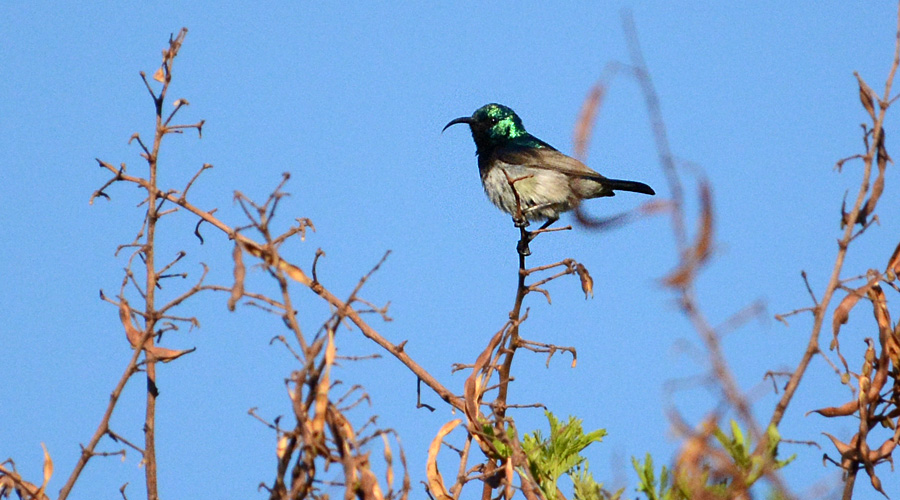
pixel 694 256
pixel 661 136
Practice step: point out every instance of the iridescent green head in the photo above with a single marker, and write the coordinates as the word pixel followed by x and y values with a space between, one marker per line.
pixel 492 125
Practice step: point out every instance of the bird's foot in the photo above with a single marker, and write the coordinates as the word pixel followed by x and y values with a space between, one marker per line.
pixel 522 246
pixel 520 223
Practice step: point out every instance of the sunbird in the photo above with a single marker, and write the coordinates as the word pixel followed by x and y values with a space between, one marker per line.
pixel 548 183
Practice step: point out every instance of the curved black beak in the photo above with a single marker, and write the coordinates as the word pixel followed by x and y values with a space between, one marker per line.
pixel 464 119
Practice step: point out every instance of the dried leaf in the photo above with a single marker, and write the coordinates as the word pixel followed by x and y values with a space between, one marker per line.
pixel 893 265
pixel 324 386
pixel 344 429
pixel 844 410
pixel 882 159
pixel 473 390
pixel 509 472
pixel 869 207
pixel 237 291
pixel 845 216
pixel 369 485
pixel 473 385
pixel 680 277
pixel 876 483
pixel 865 96
pixel 156 353
pixel 435 480
pixel 702 249
pixel 272 259
pixel 844 449
pixel 842 313
pixel 868 362
pixel 864 385
pixel 885 450
pixel 882 316
pixel 132 333
pixel 48 467
pixel 585 123
pixel 160 75
pixel 389 459
pixel 281 447
pixel 295 273
pixel 587 283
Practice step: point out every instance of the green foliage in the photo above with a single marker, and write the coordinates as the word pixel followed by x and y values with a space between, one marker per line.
pixel 586 488
pixel 775 495
pixel 549 459
pixel 751 466
pixel 501 445
pixel 664 490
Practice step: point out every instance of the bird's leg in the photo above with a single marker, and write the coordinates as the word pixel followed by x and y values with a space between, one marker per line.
pixel 545 226
pixel 527 236
pixel 522 247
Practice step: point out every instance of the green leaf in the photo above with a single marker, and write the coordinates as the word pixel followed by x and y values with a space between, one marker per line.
pixel 551 458
pixel 503 449
pixel 647 478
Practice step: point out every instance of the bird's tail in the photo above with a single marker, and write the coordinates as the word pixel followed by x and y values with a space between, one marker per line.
pixel 633 186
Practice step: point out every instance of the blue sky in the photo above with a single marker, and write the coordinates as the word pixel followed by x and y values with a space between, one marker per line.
pixel 351 101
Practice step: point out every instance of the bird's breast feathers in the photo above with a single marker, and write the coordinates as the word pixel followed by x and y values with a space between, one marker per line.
pixel 542 193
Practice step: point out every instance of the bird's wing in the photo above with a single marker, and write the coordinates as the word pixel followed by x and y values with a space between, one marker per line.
pixel 547 159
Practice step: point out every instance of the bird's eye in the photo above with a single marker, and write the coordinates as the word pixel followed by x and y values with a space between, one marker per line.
pixel 494 120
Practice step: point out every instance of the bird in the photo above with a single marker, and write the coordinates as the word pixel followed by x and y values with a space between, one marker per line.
pixel 547 182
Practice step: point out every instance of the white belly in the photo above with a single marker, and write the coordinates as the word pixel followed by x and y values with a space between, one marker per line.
pixel 542 194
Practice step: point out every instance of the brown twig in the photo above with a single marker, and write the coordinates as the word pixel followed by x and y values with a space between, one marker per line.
pixel 821 309
pixel 88 451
